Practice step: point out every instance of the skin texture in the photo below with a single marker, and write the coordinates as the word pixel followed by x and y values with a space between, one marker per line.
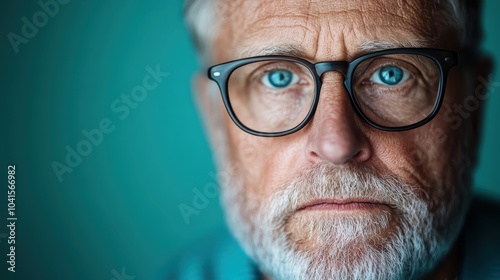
pixel 430 156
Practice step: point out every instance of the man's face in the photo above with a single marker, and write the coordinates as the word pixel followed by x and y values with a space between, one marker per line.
pixel 339 197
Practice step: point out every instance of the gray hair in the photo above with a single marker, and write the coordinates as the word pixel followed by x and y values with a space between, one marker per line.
pixel 462 16
pixel 199 16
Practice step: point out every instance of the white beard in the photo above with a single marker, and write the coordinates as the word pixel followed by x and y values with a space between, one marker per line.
pixel 418 230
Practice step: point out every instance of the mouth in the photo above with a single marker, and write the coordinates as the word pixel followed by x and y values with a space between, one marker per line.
pixel 359 204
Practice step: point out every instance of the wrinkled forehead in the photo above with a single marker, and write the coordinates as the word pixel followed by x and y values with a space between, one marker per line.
pixel 323 29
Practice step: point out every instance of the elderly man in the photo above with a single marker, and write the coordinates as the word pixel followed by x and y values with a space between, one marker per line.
pixel 343 148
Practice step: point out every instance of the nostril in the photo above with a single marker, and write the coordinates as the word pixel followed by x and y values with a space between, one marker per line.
pixel 362 155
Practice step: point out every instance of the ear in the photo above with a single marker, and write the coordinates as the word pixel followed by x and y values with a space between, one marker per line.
pixel 210 107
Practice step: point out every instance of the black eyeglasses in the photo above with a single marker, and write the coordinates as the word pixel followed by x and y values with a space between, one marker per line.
pixel 392 90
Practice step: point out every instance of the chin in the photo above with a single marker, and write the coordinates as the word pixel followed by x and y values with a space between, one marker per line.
pixel 341 230
pixel 306 231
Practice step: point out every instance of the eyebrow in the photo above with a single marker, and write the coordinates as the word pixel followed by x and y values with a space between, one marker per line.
pixel 372 46
pixel 284 49
pixel 364 48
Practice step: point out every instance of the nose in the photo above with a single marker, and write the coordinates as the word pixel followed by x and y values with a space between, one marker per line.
pixel 335 134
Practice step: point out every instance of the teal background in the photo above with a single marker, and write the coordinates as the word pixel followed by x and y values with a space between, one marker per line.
pixel 119 207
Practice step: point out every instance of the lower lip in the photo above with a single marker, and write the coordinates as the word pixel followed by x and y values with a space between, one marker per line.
pixel 346 206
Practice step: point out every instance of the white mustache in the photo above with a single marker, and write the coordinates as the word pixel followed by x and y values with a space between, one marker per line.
pixel 326 182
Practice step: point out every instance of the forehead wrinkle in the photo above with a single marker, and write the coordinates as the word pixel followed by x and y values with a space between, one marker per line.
pixel 305 27
pixel 417 16
pixel 379 27
pixel 302 24
pixel 254 43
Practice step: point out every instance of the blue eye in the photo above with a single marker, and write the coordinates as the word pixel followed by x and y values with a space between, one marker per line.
pixel 279 78
pixel 389 75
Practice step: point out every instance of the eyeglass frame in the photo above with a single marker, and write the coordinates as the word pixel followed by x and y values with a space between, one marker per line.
pixel 445 59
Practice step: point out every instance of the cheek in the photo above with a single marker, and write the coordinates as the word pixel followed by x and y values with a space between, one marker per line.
pixel 434 155
pixel 263 163
pixel 430 157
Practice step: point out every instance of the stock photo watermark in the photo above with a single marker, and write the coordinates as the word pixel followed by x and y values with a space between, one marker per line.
pixel 121 276
pixel 12 217
pixel 470 103
pixel 456 114
pixel 121 107
pixel 202 197
pixel 31 26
